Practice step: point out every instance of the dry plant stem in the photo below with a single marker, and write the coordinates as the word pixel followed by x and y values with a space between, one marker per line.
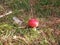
pixel 5 14
pixel 31 9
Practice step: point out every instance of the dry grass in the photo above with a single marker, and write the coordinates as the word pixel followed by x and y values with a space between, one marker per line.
pixel 46 11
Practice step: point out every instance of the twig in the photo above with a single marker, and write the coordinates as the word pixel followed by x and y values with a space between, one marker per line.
pixel 5 14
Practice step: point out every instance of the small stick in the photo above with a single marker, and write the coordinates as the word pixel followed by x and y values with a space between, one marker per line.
pixel 5 14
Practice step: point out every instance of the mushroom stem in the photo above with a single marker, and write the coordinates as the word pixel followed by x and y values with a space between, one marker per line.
pixel 34 28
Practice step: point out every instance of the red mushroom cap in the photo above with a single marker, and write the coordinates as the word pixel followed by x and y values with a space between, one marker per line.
pixel 33 23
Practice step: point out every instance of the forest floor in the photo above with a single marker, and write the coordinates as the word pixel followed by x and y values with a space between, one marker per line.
pixel 12 33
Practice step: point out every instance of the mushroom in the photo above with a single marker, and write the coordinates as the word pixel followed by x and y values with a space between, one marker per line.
pixel 33 23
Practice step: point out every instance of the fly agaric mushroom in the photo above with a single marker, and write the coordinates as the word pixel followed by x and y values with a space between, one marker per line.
pixel 33 23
